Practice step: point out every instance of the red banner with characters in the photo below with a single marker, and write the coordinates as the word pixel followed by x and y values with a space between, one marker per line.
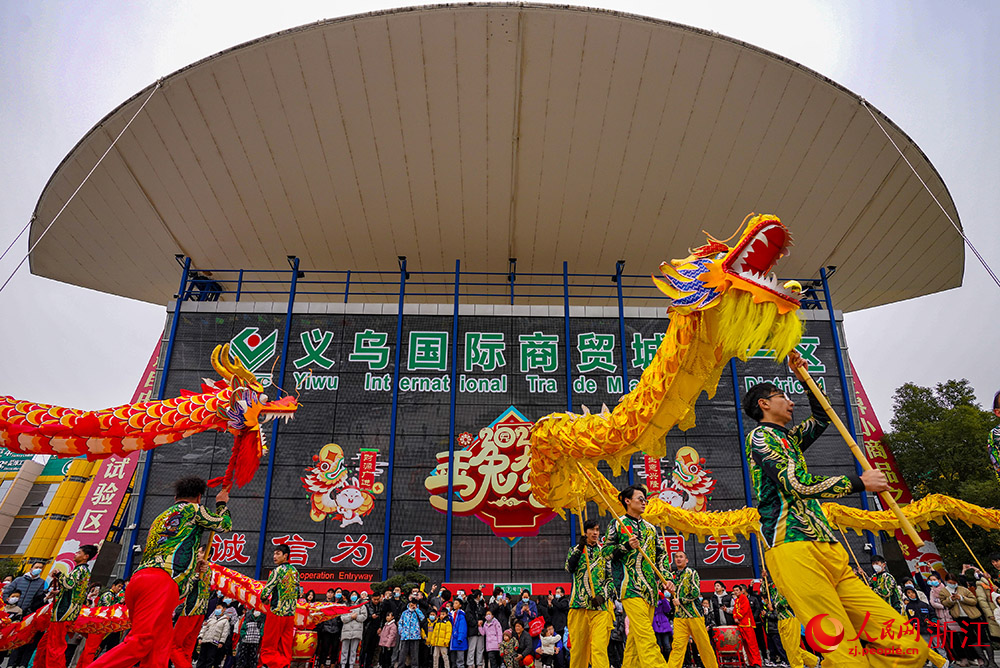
pixel 926 558
pixel 654 476
pixel 366 468
pixel 491 479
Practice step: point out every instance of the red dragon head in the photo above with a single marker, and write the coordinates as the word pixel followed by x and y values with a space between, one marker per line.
pixel 245 411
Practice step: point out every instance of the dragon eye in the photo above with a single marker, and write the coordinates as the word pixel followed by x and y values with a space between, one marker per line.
pixel 263 398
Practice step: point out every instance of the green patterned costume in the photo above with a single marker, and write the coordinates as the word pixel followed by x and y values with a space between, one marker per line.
pixel 597 584
pixel 885 586
pixel 632 575
pixel 111 598
pixel 779 602
pixel 196 599
pixel 174 538
pixel 72 594
pixel 993 447
pixel 687 596
pixel 786 492
pixel 282 590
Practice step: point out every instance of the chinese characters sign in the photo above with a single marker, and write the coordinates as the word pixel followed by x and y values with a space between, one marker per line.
pixel 491 479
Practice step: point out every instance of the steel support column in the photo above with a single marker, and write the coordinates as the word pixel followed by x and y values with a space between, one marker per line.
pixel 747 491
pixel 392 420
pixel 273 449
pixel 451 426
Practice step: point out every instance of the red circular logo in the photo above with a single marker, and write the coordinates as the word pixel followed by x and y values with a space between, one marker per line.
pixel 253 340
pixel 819 639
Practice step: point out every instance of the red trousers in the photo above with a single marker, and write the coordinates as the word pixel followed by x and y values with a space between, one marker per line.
pixel 150 596
pixel 276 641
pixel 186 630
pixel 90 648
pixel 51 652
pixel 750 645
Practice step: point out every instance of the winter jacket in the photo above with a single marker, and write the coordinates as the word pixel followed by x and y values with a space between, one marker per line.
pixel 549 643
pixel 961 604
pixel 558 613
pixel 389 635
pixel 31 588
pixel 439 632
pixel 353 623
pixel 214 630
pixel 502 612
pixel 409 624
pixel 459 632
pixel 944 617
pixel 717 606
pixel 988 609
pixel 661 617
pixel 493 633
pixel 526 611
pixel 474 612
pixel 525 644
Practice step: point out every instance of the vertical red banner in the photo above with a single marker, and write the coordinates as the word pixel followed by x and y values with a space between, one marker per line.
pixel 366 468
pixel 922 559
pixel 654 476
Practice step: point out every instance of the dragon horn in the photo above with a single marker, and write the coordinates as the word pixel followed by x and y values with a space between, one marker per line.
pixel 220 353
pixel 235 366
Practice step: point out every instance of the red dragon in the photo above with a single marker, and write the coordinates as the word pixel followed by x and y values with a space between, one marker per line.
pixel 236 404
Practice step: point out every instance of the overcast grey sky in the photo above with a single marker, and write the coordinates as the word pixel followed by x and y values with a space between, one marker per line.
pixel 929 66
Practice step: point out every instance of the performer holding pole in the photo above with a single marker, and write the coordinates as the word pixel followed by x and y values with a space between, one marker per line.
pixel 281 593
pixel 789 630
pixel 589 620
pixel 636 576
pixel 194 605
pixel 804 558
pixel 66 606
pixel 688 620
pixel 168 563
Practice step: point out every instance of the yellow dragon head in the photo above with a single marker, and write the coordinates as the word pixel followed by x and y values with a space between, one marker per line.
pixel 737 285
pixel 698 281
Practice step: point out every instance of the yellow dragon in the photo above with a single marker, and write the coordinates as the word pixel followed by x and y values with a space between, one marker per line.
pixel 726 303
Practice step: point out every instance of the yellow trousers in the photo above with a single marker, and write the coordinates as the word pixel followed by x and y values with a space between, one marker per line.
pixel 817 579
pixel 936 659
pixel 690 627
pixel 641 648
pixel 589 633
pixel 790 632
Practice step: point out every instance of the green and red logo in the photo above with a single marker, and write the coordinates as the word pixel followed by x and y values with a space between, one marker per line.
pixel 255 350
pixel 819 638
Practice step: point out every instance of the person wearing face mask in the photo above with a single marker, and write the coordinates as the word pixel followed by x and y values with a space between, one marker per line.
pixel 13 607
pixel 884 584
pixel 938 592
pixel 353 627
pixel 30 586
pixel 214 632
pixel 439 637
pixel 492 636
pixel 328 632
pixel 475 617
pixel 804 555
pixel 525 610
pixel 964 609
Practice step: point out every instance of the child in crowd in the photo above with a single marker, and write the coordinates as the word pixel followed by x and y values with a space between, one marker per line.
pixel 439 636
pixel 387 639
pixel 493 633
pixel 549 647
pixel 508 650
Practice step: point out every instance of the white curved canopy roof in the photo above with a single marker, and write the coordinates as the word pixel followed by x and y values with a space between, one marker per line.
pixel 484 132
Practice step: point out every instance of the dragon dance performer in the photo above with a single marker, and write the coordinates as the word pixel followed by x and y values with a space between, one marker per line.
pixel 635 577
pixel 168 563
pixel 688 620
pixel 590 622
pixel 807 563
pixel 993 440
pixel 66 608
pixel 789 630
pixel 884 584
pixel 194 605
pixel 281 594
pixel 113 596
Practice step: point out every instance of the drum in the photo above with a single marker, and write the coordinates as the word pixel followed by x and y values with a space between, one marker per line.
pixel 727 639
pixel 304 645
